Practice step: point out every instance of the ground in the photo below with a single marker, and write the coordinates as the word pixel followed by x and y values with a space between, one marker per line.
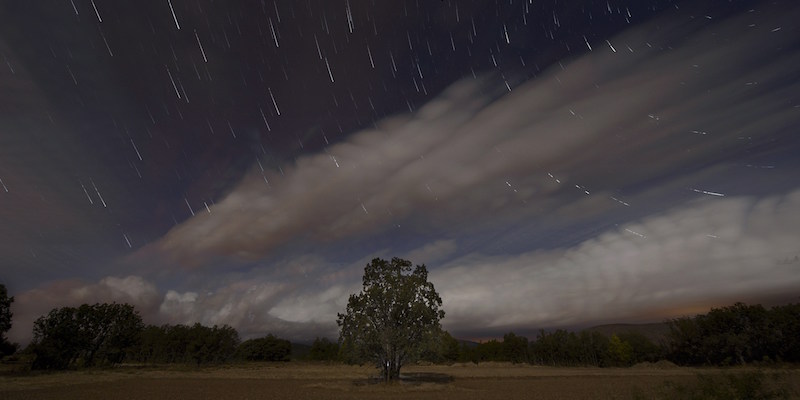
pixel 320 381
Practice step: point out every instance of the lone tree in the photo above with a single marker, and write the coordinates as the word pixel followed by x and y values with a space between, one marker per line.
pixel 392 318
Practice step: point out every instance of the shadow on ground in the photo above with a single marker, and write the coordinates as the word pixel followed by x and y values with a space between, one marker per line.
pixel 414 378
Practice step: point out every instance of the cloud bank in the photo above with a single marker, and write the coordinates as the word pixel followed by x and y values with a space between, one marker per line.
pixel 708 253
pixel 659 100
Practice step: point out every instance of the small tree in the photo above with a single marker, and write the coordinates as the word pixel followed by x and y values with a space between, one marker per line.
pixel 211 345
pixel 395 313
pixel 515 348
pixel 323 350
pixel 5 322
pixel 621 351
pixel 449 348
pixel 5 310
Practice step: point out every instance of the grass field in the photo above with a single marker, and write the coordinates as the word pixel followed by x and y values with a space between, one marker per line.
pixel 319 381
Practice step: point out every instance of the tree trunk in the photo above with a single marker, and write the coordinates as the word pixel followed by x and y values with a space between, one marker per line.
pixel 392 365
pixel 397 370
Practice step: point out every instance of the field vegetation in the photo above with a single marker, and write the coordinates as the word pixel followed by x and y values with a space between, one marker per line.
pixel 315 380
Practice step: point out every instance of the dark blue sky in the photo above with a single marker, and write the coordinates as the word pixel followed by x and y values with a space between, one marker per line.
pixel 553 163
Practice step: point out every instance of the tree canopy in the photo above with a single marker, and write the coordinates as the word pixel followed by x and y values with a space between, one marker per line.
pixel 5 310
pixel 5 321
pixel 323 350
pixel 196 344
pixel 85 336
pixel 389 321
pixel 736 334
pixel 267 348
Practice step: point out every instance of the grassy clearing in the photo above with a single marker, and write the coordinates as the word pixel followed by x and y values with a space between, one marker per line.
pixel 729 385
pixel 335 381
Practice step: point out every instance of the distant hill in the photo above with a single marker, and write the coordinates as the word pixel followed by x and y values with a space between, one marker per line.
pixel 656 332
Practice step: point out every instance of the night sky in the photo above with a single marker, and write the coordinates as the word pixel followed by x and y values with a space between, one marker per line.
pixel 553 163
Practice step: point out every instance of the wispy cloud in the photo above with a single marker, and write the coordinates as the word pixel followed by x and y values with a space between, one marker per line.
pixel 672 96
pixel 705 253
pixel 254 307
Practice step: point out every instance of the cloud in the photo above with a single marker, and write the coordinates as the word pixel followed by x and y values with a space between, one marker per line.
pixel 31 304
pixel 432 252
pixel 254 307
pixel 671 96
pixel 314 306
pixel 663 110
pixel 297 298
pixel 237 304
pixel 707 253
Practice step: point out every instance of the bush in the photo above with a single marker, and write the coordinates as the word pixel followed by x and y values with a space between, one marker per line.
pixel 323 350
pixel 562 348
pixel 196 344
pixel 268 348
pixel 755 385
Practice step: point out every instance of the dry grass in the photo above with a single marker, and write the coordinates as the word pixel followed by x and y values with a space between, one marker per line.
pixel 322 381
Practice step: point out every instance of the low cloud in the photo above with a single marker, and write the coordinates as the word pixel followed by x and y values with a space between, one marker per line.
pixel 253 307
pixel 710 252
pixel 297 299
pixel 707 253
pixel 430 253
pixel 30 305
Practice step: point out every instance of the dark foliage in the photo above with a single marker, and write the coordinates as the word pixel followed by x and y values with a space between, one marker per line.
pixel 514 348
pixel 197 344
pixel 323 350
pixel 489 351
pixel 268 348
pixel 6 347
pixel 85 336
pixel 562 348
pixel 449 348
pixel 736 334
pixel 441 348
pixel 748 385
pixel 5 310
pixel 393 319
pixel 642 349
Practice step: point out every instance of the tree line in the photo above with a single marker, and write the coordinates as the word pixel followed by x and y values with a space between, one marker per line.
pixel 562 348
pixel 559 348
pixel 734 335
pixel 107 334
pixel 737 334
